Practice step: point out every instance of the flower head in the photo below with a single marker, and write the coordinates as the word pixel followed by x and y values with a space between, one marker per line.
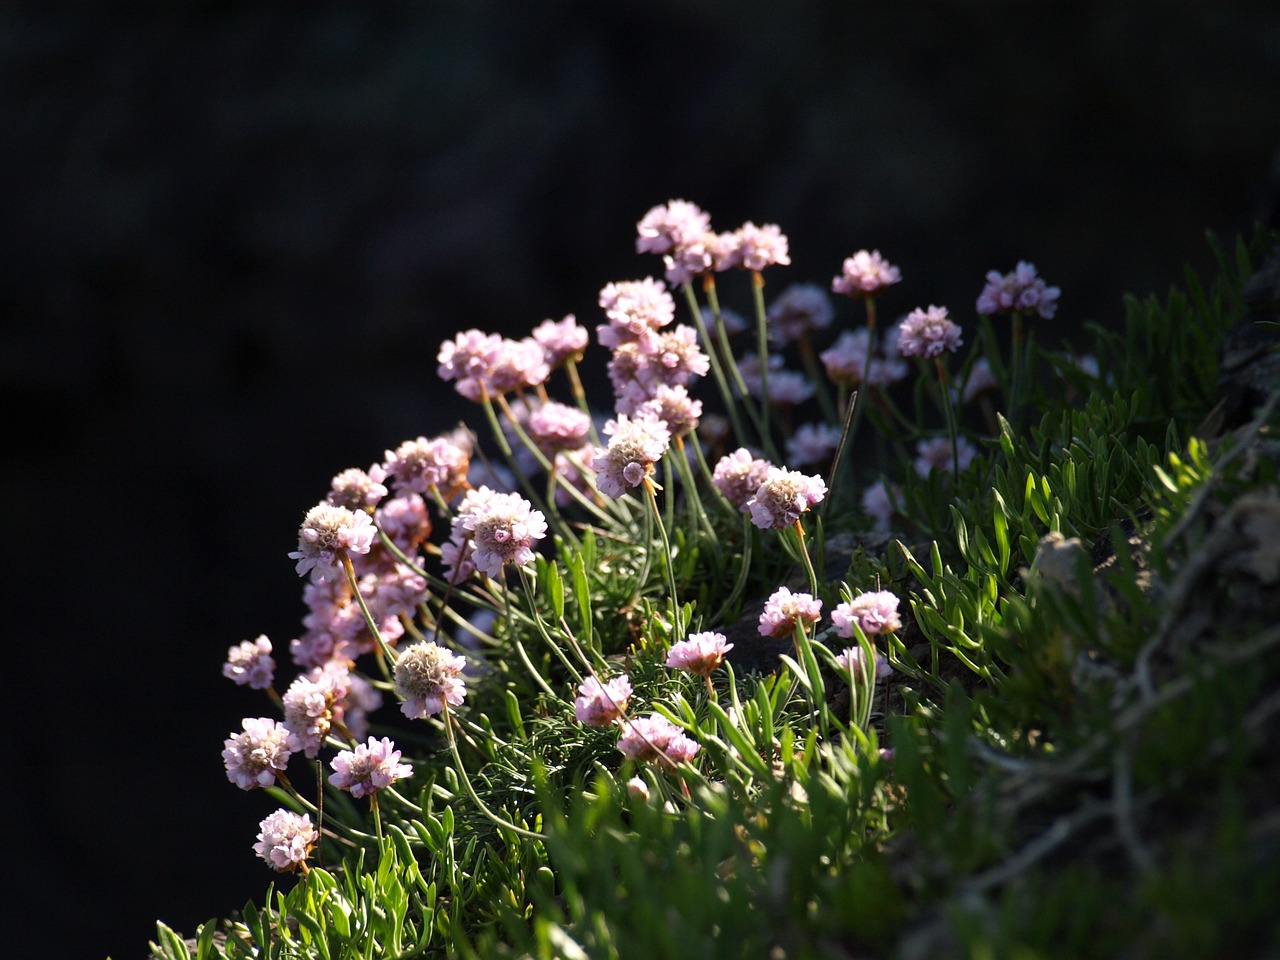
pixel 251 664
pixel 798 310
pixel 313 703
pixel 467 360
pixel 783 496
pixel 785 610
pixel 738 476
pixel 558 426
pixel 427 676
pixel 674 407
pixel 655 738
pixel 369 767
pixel 813 443
pixel 285 840
pixel 634 447
pixel 852 659
pixel 699 653
pixel 503 530
pixel 935 453
pixel 636 309
pixel 670 225
pixel 326 533
pixel 1020 291
pixel 846 359
pixel 874 612
pixel 878 503
pixel 254 756
pixel 600 704
pixel 441 462
pixel 357 489
pixel 865 274
pixel 561 339
pixel 928 333
pixel 760 247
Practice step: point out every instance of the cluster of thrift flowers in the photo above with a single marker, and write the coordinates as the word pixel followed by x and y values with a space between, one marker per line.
pixel 368 768
pixel 655 738
pixel 326 534
pixel 285 840
pixel 427 676
pixel 699 653
pixel 865 274
pixel 503 529
pixel 251 664
pixel 255 756
pixel 1020 291
pixel 783 496
pixel 928 333
pixel 635 445
pixel 601 704
pixel 784 611
pixel 874 612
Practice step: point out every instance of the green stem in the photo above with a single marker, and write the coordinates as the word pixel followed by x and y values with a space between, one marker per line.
pixel 669 565
pixel 726 395
pixel 471 790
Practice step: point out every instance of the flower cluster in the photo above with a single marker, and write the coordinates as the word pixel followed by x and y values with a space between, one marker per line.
pixel 783 496
pixel 285 840
pixel 601 704
pixel 634 447
pixel 427 676
pixel 656 739
pixel 699 653
pixel 1020 291
pixel 368 768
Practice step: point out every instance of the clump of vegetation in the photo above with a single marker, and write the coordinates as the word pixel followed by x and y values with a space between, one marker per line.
pixel 913 641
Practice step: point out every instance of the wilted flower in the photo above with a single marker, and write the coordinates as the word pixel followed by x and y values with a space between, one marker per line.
pixel 369 767
pixel 784 610
pixel 928 333
pixel 427 675
pixel 254 756
pixel 1020 291
pixel 327 532
pixel 783 496
pixel 738 476
pixel 600 704
pixel 699 653
pixel 655 738
pixel 865 274
pixel 251 664
pixel 285 840
pixel 874 612
pixel 634 447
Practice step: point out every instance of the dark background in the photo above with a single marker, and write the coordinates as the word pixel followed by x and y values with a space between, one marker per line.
pixel 232 241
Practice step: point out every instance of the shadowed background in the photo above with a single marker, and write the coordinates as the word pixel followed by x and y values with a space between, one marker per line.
pixel 234 239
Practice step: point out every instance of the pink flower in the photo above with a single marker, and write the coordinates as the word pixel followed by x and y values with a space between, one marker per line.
pixel 326 533
pixel 675 358
pixel 634 447
pixel 785 610
pixel 786 387
pixel 357 490
pixel 561 339
pixel 936 454
pixel 655 738
pixel 674 407
pixel 285 839
pixel 503 530
pixel 1021 291
pixel 846 359
pixel 250 664
pixel 600 704
pixel 313 703
pixel 877 505
pixel 441 462
pixel 874 612
pixel 865 275
pixel 813 443
pixel 699 653
pixel 404 520
pixel 369 767
pixel 738 476
pixel 558 426
pixel 254 756
pixel 760 247
pixel 979 381
pixel 427 676
pixel 928 333
pixel 798 310
pixel 852 659
pixel 783 496
pixel 673 224
pixel 467 359
pixel 636 309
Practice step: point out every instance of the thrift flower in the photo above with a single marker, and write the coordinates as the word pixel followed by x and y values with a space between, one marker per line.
pixel 798 310
pixel 865 275
pixel 813 443
pixel 846 359
pixel 467 359
pixel 878 505
pixel 503 531
pixel 600 704
pixel 786 387
pixel 561 340
pixel 875 612
pixel 634 447
pixel 738 476
pixel 637 788
pixel 852 659
pixel 418 465
pixel 404 519
pixel 254 756
pixel 760 247
pixel 250 664
pixel 936 454
pixel 783 496
pixel 700 653
pixel 1020 291
pixel 357 490
pixel 326 533
pixel 427 676
pixel 672 224
pixel 928 333
pixel 369 767
pixel 674 407
pixel 784 610
pixel 285 839
pixel 558 426
pixel 636 309
pixel 312 705
pixel 655 738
